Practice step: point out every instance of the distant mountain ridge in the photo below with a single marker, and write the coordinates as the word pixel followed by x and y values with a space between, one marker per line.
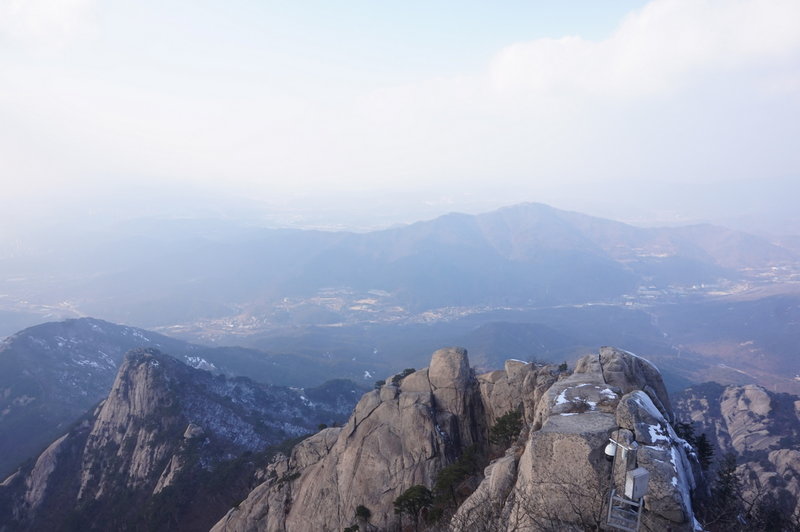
pixel 523 254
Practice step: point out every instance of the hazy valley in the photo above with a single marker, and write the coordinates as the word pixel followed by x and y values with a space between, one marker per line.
pixel 704 300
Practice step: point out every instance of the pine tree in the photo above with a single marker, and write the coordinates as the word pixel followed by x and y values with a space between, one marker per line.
pixel 685 431
pixel 412 502
pixel 726 495
pixel 705 451
pixel 507 429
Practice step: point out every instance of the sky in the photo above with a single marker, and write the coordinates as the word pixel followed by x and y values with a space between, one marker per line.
pixel 276 108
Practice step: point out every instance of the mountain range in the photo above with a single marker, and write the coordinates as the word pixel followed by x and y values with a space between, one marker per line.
pixel 695 297
pixel 530 254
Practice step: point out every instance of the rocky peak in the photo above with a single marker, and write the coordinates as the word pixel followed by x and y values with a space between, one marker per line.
pixel 163 429
pixel 456 398
pixel 556 476
pixel 141 387
pixel 450 369
pixel 136 425
pixel 397 436
pixel 52 373
pixel 630 372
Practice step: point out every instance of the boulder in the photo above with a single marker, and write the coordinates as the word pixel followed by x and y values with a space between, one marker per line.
pixel 630 372
pixel 519 388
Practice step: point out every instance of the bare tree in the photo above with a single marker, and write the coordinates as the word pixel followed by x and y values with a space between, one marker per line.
pixel 562 504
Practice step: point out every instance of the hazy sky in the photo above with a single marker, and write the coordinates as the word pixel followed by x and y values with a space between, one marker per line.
pixel 452 103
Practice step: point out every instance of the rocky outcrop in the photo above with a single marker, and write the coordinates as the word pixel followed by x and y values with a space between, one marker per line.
pixel 518 387
pixel 563 476
pixel 398 436
pixel 630 372
pixel 456 402
pixel 165 428
pixel 555 476
pixel 761 428
pixel 134 433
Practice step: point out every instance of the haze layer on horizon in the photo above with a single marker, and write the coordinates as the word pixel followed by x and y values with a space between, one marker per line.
pixel 365 114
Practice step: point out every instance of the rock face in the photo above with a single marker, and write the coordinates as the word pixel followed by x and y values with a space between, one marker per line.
pixel 164 428
pixel 760 427
pixel 556 475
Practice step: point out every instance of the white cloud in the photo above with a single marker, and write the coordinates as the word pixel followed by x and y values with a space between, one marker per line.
pixel 665 46
pixel 48 23
pixel 682 90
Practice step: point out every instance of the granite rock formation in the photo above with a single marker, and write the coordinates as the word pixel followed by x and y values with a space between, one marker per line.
pixel 555 475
